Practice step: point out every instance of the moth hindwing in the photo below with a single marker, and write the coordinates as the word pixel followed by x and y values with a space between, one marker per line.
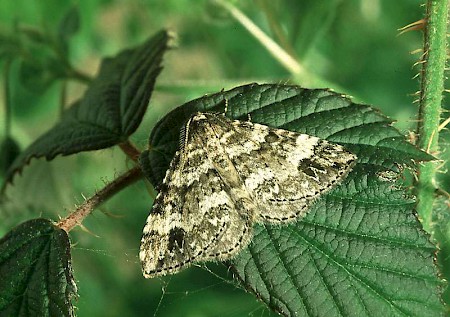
pixel 227 176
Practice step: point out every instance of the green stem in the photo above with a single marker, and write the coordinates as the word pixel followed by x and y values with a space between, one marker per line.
pixel 432 86
pixel 275 26
pixel 7 99
pixel 293 66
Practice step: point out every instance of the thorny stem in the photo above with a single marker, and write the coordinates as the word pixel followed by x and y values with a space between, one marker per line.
pixel 77 217
pixel 432 86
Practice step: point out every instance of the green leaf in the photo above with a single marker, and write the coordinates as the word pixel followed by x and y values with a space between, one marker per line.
pixel 360 251
pixel 356 253
pixel 35 271
pixel 111 109
pixel 441 234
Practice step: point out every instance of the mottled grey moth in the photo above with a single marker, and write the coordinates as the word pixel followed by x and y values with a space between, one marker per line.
pixel 227 176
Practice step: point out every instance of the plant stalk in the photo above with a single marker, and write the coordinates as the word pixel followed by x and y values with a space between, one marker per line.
pixel 288 62
pixel 7 98
pixel 432 87
pixel 77 217
pixel 130 150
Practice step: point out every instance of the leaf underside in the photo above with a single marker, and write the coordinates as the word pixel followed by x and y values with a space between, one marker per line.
pixel 35 271
pixel 360 251
pixel 111 109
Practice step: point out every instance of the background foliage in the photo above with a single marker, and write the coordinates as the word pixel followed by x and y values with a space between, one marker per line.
pixel 351 45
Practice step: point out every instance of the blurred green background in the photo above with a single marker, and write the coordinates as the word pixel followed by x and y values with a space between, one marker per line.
pixel 352 46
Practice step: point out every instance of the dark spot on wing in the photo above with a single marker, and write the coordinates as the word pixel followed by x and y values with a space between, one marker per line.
pixel 271 137
pixel 160 264
pixel 310 167
pixel 176 239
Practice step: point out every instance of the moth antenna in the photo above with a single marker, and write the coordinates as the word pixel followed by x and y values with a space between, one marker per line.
pixel 182 139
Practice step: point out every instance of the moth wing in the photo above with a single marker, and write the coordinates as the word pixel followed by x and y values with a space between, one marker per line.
pixel 236 235
pixel 190 216
pixel 285 171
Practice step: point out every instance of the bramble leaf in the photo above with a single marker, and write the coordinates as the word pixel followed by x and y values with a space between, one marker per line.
pixel 35 271
pixel 360 250
pixel 111 109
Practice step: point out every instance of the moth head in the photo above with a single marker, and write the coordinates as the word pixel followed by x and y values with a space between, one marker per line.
pixel 200 123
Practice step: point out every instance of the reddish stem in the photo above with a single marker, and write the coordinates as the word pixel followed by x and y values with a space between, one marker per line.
pixel 130 150
pixel 77 217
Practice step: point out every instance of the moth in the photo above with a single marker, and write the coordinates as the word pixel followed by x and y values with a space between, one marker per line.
pixel 227 176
